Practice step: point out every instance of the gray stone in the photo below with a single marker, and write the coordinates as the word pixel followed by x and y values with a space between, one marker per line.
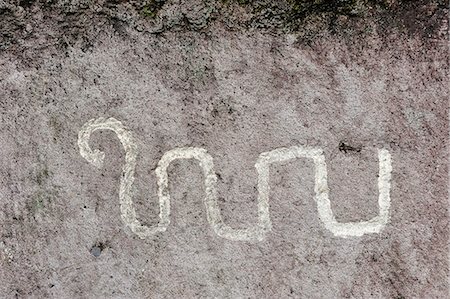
pixel 237 92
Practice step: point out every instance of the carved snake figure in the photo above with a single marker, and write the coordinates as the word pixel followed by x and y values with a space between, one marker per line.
pixel 255 233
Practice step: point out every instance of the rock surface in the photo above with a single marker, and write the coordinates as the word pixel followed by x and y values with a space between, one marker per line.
pixel 237 78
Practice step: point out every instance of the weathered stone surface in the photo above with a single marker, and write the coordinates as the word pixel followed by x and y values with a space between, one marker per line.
pixel 204 74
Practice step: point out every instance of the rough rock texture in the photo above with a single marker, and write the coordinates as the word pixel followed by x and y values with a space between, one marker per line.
pixel 237 78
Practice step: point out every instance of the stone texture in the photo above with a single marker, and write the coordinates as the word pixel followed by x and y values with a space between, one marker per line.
pixel 236 92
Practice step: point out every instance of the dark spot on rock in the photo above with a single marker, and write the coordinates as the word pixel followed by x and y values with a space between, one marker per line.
pixel 42 175
pixel 97 249
pixel 26 3
pixel 219 176
pixel 348 148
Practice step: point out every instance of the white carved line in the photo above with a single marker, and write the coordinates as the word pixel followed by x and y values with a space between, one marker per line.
pixel 257 232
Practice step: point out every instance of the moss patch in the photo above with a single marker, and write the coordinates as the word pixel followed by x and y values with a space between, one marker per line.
pixel 152 7
pixel 308 19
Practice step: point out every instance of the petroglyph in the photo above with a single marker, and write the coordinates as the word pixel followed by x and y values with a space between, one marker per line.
pixel 258 231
